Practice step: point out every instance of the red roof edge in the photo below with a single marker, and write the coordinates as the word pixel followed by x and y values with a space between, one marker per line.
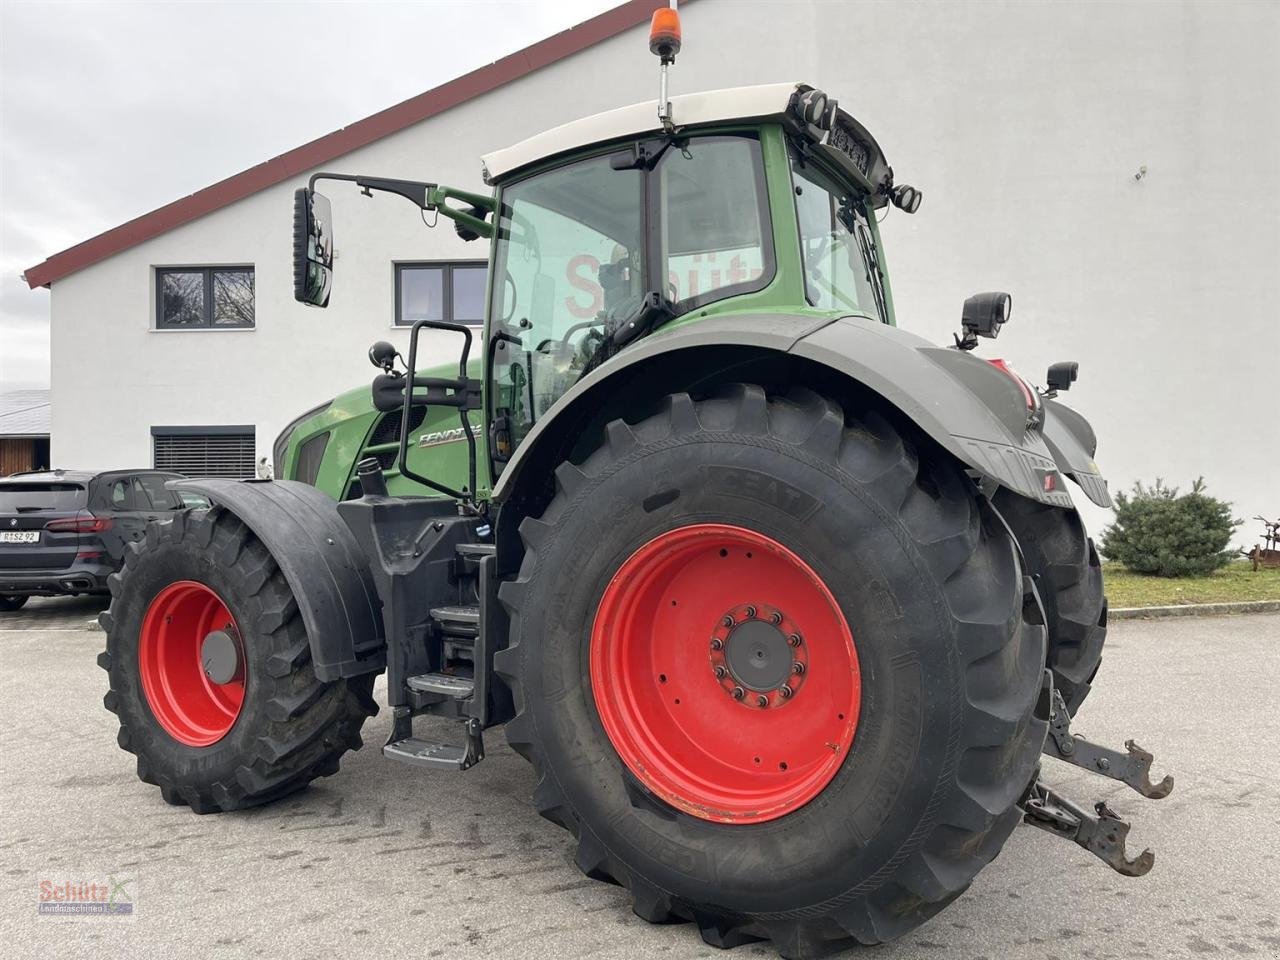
pixel 361 133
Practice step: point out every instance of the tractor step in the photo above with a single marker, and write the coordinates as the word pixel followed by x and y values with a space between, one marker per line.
pixel 1132 768
pixel 457 621
pixel 1102 832
pixel 442 685
pixel 407 748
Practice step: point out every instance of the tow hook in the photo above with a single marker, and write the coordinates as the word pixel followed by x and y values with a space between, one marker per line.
pixel 1102 834
pixel 1132 768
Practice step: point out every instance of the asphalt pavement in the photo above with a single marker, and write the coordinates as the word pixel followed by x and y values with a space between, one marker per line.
pixel 383 860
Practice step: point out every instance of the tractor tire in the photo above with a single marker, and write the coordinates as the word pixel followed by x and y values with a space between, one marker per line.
pixel 1062 559
pixel 237 724
pixel 694 565
pixel 10 603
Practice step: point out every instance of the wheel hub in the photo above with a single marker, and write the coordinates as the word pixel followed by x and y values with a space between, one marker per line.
pixel 758 656
pixel 220 656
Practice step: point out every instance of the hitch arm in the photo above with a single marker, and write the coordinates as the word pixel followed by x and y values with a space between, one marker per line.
pixel 1132 768
pixel 1102 835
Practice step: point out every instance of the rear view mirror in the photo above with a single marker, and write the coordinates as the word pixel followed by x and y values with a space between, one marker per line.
pixel 312 248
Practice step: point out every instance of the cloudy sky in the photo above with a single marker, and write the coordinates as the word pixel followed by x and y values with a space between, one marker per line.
pixel 109 110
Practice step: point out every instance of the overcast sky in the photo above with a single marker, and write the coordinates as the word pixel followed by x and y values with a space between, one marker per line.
pixel 109 110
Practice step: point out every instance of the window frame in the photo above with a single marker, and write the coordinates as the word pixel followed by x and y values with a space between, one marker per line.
pixel 446 289
pixel 208 286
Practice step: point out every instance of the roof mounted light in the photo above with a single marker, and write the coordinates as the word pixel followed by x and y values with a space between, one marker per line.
pixel 664 34
pixel 664 43
pixel 906 198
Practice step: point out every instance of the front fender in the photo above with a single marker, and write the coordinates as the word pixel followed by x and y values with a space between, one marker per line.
pixel 322 563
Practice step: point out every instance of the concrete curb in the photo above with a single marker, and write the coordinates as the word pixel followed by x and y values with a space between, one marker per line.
pixel 1194 610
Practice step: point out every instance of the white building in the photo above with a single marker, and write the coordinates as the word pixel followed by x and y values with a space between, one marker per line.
pixel 1114 166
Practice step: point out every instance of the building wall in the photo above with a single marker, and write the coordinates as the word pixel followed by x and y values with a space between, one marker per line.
pixel 1024 124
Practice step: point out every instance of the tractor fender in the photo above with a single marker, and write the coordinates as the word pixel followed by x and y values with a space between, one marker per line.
pixel 322 563
pixel 965 404
pixel 1072 441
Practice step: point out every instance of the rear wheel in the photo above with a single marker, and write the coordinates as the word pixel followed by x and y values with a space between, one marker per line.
pixel 774 672
pixel 210 670
pixel 11 603
pixel 1062 558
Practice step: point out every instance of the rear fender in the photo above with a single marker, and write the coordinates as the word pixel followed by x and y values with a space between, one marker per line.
pixel 322 563
pixel 963 403
pixel 1073 443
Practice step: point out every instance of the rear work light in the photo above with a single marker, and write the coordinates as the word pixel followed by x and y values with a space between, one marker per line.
pixel 85 523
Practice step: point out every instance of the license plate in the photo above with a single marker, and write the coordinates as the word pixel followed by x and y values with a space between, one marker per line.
pixel 19 536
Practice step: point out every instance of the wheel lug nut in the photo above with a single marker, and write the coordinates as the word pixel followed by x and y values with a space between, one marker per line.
pixel 775 618
pixel 720 673
pixel 716 643
pixel 797 668
pixel 794 639
pixel 727 621
pixel 784 691
pixel 738 693
pixel 762 701
pixel 751 613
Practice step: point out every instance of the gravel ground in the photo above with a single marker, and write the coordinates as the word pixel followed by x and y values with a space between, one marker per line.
pixel 385 860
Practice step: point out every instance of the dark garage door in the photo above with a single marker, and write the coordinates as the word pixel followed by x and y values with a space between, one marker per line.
pixel 205 451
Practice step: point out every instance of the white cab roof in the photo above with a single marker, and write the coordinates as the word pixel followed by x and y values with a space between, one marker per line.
pixel 712 106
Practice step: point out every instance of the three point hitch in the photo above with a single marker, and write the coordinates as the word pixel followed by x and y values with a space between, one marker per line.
pixel 1102 832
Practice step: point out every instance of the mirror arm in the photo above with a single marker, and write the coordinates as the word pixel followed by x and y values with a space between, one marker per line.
pixel 427 196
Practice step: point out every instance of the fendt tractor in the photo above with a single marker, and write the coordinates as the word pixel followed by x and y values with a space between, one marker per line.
pixel 784 604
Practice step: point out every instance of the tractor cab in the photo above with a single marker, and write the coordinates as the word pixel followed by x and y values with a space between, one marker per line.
pixel 640 221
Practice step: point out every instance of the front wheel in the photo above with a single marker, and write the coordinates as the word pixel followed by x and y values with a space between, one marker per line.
pixel 773 670
pixel 210 670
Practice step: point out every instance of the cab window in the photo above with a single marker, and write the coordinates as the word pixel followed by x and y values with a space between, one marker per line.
pixel 715 220
pixel 568 268
pixel 836 245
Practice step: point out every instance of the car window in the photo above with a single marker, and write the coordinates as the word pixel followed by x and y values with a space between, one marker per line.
pixel 40 495
pixel 126 494
pixel 160 498
pixel 120 495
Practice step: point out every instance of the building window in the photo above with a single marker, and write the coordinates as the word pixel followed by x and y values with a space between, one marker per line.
pixel 205 451
pixel 440 291
pixel 202 297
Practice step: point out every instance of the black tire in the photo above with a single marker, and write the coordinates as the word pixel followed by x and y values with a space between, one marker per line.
pixel 10 603
pixel 291 729
pixel 1062 558
pixel 951 666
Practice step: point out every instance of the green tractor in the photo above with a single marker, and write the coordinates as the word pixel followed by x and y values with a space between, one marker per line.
pixel 783 603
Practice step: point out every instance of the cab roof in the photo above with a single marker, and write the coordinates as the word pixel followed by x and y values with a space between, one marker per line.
pixel 781 101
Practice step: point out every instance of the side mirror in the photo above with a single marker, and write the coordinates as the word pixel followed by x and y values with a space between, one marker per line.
pixel 985 313
pixel 312 247
pixel 1062 374
pixel 383 354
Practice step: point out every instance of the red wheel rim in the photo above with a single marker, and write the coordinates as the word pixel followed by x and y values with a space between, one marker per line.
pixel 695 636
pixel 191 707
